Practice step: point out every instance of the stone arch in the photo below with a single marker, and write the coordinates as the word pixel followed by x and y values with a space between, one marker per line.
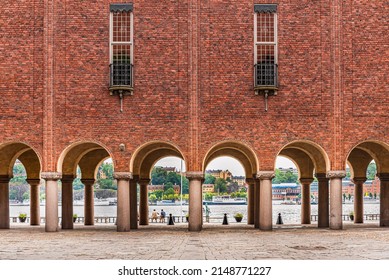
pixel 10 152
pixel 364 152
pixel 149 153
pixel 236 149
pixel 88 155
pixel 308 156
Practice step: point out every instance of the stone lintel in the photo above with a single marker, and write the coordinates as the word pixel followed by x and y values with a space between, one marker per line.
pixel 306 180
pixel 195 175
pixel 122 175
pixel 33 182
pixel 336 174
pixel 358 180
pixel 383 176
pixel 265 175
pixel 51 176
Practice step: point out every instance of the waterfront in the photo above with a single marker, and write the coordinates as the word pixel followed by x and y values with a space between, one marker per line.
pixel 290 213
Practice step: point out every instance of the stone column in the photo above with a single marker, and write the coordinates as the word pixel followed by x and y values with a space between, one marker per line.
pixel 384 199
pixel 4 201
pixel 143 202
pixel 195 200
pixel 123 199
pixel 306 200
pixel 323 205
pixel 89 202
pixel 358 199
pixel 257 206
pixel 336 221
pixel 265 198
pixel 250 201
pixel 67 201
pixel 133 203
pixel 51 179
pixel 35 218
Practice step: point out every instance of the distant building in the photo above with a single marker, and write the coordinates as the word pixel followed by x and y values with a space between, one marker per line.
pixel 224 174
pixel 370 186
pixel 285 191
pixel 241 180
pixel 208 188
pixel 153 188
pixel 168 169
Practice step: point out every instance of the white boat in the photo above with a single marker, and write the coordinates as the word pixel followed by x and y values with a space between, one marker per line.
pixel 167 202
pixel 226 200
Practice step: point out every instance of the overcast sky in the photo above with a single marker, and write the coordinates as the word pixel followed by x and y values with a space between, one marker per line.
pixel 222 163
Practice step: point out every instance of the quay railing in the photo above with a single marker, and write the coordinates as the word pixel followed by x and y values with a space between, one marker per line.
pixel 367 217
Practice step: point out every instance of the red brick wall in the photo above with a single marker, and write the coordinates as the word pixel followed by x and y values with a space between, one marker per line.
pixel 220 82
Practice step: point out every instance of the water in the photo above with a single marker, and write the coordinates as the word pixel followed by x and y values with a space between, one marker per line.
pixel 291 214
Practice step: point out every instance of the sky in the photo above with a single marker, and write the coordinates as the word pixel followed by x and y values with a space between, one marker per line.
pixel 223 163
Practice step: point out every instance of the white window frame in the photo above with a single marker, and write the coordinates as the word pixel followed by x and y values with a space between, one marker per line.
pixel 274 43
pixel 112 43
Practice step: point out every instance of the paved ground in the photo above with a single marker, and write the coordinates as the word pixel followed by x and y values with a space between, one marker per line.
pixel 218 242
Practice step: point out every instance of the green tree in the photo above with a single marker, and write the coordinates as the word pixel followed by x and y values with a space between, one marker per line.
pixel 220 185
pixel 371 171
pixel 152 197
pixel 209 179
pixel 158 176
pixel 168 186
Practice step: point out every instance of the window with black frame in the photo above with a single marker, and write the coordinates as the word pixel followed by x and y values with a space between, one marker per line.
pixel 121 47
pixel 265 47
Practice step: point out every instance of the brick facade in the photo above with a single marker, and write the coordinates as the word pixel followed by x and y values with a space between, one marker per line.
pixel 194 68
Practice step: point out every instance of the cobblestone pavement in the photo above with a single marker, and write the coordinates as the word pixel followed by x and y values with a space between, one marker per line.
pixel 215 242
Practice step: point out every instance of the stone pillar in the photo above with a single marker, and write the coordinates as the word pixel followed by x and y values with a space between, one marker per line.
pixel 51 179
pixel 195 200
pixel 123 199
pixel 384 199
pixel 143 202
pixel 89 202
pixel 67 201
pixel 323 205
pixel 336 221
pixel 306 200
pixel 358 199
pixel 265 198
pixel 257 206
pixel 35 218
pixel 250 201
pixel 4 201
pixel 133 203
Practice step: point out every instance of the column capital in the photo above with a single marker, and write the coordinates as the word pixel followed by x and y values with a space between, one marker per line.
pixel 321 176
pixel 4 179
pixel 194 175
pixel 144 181
pixel 383 176
pixel 359 180
pixel 122 175
pixel 67 178
pixel 250 181
pixel 336 174
pixel 265 175
pixel 33 182
pixel 88 181
pixel 51 176
pixel 306 180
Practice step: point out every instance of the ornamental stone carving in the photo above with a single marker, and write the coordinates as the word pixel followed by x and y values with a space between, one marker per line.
pixel 194 175
pixel 51 176
pixel 358 180
pixel 265 175
pixel 122 175
pixel 336 174
pixel 306 180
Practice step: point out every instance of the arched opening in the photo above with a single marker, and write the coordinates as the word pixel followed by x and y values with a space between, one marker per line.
pixel 158 181
pixel 369 181
pixel 225 191
pixel 310 181
pixel 80 164
pixel 19 158
pixel 240 189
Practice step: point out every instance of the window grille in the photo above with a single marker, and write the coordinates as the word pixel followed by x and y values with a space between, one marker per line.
pixel 121 48
pixel 265 47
